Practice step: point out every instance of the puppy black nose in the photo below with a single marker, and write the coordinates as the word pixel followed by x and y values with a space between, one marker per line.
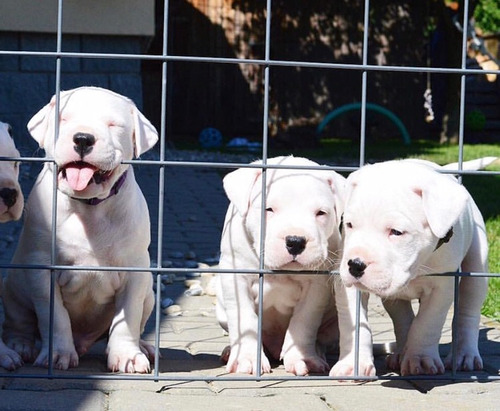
pixel 83 143
pixel 295 244
pixel 356 267
pixel 9 196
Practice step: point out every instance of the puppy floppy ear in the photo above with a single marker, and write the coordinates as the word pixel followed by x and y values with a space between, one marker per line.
pixel 444 200
pixel 38 126
pixel 145 134
pixel 337 184
pixel 238 186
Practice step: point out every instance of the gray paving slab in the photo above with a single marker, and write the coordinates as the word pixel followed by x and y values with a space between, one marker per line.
pixel 190 344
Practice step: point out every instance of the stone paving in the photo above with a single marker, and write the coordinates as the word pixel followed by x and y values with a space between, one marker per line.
pixel 191 340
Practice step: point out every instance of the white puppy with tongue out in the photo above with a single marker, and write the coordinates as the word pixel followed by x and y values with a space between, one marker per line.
pixel 102 220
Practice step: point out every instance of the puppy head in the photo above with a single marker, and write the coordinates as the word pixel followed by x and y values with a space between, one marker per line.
pixel 11 196
pixel 97 130
pixel 395 213
pixel 303 209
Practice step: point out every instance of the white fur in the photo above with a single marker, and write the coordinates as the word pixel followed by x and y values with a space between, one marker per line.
pixel 9 174
pixel 395 214
pixel 300 319
pixel 115 232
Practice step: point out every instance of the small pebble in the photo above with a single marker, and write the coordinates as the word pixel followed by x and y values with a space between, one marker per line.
pixel 190 283
pixel 167 278
pixel 211 260
pixel 194 290
pixel 190 264
pixel 173 310
pixel 162 286
pixel 166 302
pixel 176 254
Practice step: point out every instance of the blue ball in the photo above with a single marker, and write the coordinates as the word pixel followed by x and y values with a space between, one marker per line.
pixel 210 138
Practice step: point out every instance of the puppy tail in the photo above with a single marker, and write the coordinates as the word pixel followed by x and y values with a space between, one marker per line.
pixel 472 165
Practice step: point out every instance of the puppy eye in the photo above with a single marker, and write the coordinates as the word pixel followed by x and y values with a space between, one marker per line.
pixel 114 124
pixel 9 130
pixel 348 225
pixel 396 232
pixel 269 210
pixel 320 213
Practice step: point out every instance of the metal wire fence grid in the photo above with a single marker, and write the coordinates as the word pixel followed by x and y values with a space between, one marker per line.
pixel 267 63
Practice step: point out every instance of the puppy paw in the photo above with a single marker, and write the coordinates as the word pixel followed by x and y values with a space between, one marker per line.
pixel 418 364
pixel 466 360
pixel 345 367
pixel 299 364
pixel 148 350
pixel 9 359
pixel 243 359
pixel 62 359
pixel 128 360
pixel 24 348
pixel 393 362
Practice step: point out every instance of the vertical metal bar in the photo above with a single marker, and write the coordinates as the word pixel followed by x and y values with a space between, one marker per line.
pixel 53 248
pixel 161 184
pixel 456 288
pixel 454 326
pixel 265 119
pixel 463 65
pixel 362 154
pixel 362 143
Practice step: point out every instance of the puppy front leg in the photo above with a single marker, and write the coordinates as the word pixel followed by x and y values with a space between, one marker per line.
pixel 125 352
pixel 472 293
pixel 64 354
pixel 9 359
pixel 421 353
pixel 242 324
pixel 402 316
pixel 299 353
pixel 346 308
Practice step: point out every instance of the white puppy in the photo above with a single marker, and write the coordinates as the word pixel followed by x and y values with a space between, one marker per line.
pixel 403 220
pixel 11 196
pixel 101 220
pixel 303 209
pixel 11 208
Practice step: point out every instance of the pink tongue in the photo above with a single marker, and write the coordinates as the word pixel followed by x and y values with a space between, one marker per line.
pixel 78 176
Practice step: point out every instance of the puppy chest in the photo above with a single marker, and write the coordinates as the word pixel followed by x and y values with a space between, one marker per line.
pixel 94 242
pixel 281 291
pixel 86 289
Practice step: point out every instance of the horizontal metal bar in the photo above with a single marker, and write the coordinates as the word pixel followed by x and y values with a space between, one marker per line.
pixel 225 165
pixel 260 62
pixel 250 378
pixel 208 270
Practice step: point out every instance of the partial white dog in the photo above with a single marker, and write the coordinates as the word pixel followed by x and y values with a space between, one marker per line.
pixel 11 196
pixel 11 208
pixel 101 220
pixel 303 209
pixel 403 220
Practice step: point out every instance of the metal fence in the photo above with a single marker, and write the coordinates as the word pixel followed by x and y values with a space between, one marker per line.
pixel 161 164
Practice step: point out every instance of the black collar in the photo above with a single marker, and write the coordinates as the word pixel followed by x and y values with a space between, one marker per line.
pixel 445 239
pixel 114 190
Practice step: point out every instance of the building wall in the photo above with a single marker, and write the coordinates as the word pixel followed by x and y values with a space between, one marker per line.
pixel 92 26
pixel 109 17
